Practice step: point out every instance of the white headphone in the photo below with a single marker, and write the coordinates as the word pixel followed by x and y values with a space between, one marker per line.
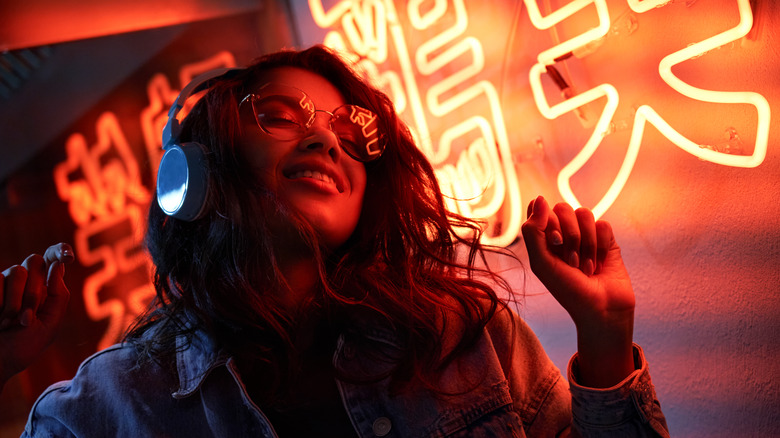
pixel 182 178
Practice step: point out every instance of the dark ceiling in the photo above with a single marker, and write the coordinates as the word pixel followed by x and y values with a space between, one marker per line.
pixel 53 51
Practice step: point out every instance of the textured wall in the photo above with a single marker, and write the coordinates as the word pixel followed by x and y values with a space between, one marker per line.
pixel 702 243
pixel 704 256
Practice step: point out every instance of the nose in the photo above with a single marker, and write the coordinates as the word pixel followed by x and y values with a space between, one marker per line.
pixel 320 137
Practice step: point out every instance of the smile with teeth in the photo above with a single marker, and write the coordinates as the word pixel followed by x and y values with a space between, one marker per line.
pixel 314 174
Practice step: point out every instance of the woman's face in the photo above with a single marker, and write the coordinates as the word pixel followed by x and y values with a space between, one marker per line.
pixel 312 174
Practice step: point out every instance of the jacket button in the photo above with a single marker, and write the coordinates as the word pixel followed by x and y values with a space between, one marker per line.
pixel 382 426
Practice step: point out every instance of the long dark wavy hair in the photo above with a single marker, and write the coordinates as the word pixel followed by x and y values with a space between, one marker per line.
pixel 403 264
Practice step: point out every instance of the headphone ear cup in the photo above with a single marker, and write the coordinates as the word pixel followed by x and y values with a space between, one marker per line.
pixel 182 181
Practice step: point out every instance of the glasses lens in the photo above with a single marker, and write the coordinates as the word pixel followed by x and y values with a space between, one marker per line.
pixel 358 132
pixel 281 115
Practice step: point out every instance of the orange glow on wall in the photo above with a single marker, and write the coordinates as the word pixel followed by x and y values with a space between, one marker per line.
pixel 107 201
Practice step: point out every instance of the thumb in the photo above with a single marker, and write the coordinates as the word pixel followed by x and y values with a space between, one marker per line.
pixel 52 311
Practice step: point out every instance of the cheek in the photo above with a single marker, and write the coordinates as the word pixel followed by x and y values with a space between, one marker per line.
pixel 359 180
pixel 259 159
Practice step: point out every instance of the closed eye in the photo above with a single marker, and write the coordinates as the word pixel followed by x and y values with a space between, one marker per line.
pixel 280 119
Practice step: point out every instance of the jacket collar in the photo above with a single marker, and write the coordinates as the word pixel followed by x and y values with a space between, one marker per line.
pixel 196 356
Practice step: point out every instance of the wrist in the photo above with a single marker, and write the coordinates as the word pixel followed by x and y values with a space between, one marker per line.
pixel 605 353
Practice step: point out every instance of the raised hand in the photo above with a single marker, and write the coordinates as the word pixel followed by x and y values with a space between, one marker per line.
pixel 33 300
pixel 579 262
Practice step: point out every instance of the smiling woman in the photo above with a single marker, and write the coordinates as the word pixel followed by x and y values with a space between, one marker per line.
pixel 319 292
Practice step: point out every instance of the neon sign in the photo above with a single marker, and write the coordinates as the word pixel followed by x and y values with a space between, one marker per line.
pixel 645 113
pixel 107 201
pixel 478 178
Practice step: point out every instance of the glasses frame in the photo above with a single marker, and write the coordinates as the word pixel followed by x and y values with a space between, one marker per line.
pixel 359 116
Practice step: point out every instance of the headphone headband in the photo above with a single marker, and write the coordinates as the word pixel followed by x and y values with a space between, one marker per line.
pixel 172 129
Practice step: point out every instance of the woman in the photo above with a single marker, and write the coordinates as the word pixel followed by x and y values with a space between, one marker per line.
pixel 320 293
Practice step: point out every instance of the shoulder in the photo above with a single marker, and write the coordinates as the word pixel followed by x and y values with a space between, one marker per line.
pixel 510 335
pixel 506 327
pixel 108 371
pixel 121 365
pixel 539 392
pixel 508 355
pixel 505 338
pixel 107 383
pixel 103 368
pixel 520 351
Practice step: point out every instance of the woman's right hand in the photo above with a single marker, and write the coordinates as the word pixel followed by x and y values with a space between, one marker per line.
pixel 578 260
pixel 33 300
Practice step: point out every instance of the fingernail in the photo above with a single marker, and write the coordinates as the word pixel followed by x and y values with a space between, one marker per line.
pixel 556 237
pixel 588 267
pixel 66 254
pixel 26 318
pixel 574 259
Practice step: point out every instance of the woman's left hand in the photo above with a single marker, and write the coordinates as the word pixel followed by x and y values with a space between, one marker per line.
pixel 579 262
pixel 33 302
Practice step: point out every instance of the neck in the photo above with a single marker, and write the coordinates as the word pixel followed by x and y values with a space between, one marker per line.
pixel 300 272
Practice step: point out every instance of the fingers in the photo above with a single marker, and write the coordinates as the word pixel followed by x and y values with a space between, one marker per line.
pixel 588 239
pixel 604 243
pixel 539 233
pixel 61 251
pixel 570 231
pixel 535 228
pixel 53 309
pixel 35 286
pixel 14 279
pixel 571 235
pixel 34 289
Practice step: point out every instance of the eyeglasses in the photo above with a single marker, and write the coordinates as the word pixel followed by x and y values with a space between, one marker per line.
pixel 287 113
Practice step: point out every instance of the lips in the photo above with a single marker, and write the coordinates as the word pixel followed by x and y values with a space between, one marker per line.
pixel 317 171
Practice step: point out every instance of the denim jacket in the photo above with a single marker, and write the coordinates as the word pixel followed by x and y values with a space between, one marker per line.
pixel 505 386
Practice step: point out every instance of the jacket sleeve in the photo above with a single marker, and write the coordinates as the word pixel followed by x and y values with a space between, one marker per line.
pixel 628 409
pixel 549 406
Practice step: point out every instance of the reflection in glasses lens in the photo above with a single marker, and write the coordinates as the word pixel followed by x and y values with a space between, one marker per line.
pixel 287 113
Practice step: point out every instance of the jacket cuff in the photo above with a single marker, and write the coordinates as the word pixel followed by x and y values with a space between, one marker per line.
pixel 608 407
